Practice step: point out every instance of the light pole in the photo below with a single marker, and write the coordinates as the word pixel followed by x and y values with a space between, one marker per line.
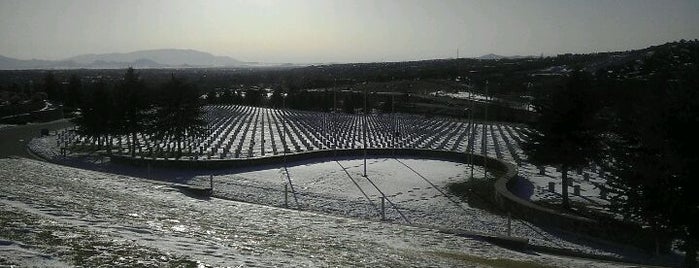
pixel 393 113
pixel 334 126
pixel 470 131
pixel 284 127
pixel 485 137
pixel 324 124
pixel 262 137
pixel 365 130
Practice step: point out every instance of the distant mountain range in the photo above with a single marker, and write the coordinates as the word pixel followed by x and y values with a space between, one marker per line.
pixel 158 58
pixel 498 57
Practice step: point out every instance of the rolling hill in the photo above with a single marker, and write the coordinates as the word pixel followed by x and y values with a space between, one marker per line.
pixel 158 58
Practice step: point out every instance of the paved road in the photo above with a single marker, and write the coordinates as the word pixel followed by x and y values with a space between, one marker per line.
pixel 13 140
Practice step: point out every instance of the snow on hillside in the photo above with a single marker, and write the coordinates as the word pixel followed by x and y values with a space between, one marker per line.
pixel 415 190
pixel 54 216
pixel 250 132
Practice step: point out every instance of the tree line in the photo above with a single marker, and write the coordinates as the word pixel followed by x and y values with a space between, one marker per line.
pixel 639 123
pixel 171 112
pixel 319 100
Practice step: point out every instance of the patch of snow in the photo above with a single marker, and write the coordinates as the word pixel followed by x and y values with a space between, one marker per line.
pixel 218 232
pixel 17 254
pixel 246 132
pixel 338 187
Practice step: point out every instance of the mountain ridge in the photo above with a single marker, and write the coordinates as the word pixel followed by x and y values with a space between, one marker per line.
pixel 169 56
pixel 153 58
pixel 492 56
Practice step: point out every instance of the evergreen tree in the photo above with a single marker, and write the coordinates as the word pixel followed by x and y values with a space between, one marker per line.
pixel 96 114
pixel 51 87
pixel 211 97
pixel 567 133
pixel 179 114
pixel 132 107
pixel 277 99
pixel 653 145
pixel 327 101
pixel 226 97
pixel 236 97
pixel 349 103
pixel 73 92
pixel 253 97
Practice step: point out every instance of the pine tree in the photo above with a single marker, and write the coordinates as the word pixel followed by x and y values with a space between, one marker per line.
pixel 96 114
pixel 567 133
pixel 226 97
pixel 132 107
pixel 276 99
pixel 51 87
pixel 179 114
pixel 253 97
pixel 654 146
pixel 73 92
pixel 211 97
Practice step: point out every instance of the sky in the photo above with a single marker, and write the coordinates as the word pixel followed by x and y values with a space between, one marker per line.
pixel 315 31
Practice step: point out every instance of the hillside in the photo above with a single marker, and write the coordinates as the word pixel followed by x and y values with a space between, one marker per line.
pixel 168 57
pixel 159 58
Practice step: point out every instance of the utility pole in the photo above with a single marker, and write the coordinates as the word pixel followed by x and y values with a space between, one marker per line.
pixel 393 113
pixel 469 118
pixel 334 127
pixel 485 137
pixel 470 132
pixel 365 126
pixel 324 126
pixel 284 127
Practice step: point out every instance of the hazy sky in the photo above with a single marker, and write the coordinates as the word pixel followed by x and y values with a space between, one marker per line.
pixel 341 30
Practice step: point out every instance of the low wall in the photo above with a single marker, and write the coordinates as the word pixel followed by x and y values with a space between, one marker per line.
pixel 295 157
pixel 608 229
pixel 532 212
pixel 505 171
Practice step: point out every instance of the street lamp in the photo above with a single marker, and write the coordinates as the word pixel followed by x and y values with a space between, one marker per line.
pixel 365 130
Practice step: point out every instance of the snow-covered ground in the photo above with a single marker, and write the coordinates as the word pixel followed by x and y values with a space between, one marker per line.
pixel 415 191
pixel 56 216
pixel 245 132
pixel 462 95
pixel 465 95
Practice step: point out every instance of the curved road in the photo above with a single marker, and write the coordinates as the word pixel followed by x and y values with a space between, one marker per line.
pixel 13 140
